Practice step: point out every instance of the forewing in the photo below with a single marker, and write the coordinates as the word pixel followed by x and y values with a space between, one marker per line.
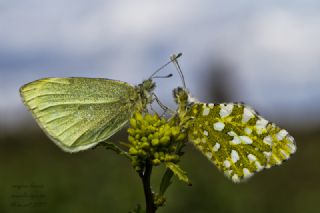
pixel 77 113
pixel 237 140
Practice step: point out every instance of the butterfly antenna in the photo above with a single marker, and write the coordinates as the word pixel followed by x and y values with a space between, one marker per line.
pixel 172 59
pixel 166 76
pixel 176 63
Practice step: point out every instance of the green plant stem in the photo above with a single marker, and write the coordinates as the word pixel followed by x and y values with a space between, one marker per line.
pixel 145 176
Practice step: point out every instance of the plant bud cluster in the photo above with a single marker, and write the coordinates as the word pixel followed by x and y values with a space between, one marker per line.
pixel 153 139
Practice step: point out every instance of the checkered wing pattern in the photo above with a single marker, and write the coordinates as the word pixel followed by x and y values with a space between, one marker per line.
pixel 236 139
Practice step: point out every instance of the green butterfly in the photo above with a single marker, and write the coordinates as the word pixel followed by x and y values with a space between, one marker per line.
pixel 233 136
pixel 78 113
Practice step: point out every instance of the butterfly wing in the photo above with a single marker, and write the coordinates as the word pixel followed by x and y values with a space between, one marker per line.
pixel 236 139
pixel 78 113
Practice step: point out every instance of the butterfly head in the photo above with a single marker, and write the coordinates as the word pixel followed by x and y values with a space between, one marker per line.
pixel 183 99
pixel 180 95
pixel 145 91
pixel 147 85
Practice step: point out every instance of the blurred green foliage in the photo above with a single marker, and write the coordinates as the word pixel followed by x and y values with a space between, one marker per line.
pixel 101 181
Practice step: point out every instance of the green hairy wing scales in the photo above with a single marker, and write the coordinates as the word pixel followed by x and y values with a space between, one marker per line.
pixel 236 139
pixel 77 113
pixel 283 146
pixel 109 125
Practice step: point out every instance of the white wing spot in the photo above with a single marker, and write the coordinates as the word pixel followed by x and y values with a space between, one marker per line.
pixel 226 163
pixel 284 154
pixel 225 110
pixel 261 125
pixel 267 154
pixel 219 126
pixel 236 140
pixel 252 158
pixel 280 135
pixel 228 173
pixel 216 147
pixel 268 140
pixel 197 141
pixel 209 155
pixel 259 131
pixel 234 156
pixel 235 178
pixel 258 165
pixel 291 147
pixel 248 130
pixel 276 159
pixel 246 139
pixel 246 173
pixel 192 99
pixel 247 114
pixel 290 138
pixel 205 111
pixel 205 133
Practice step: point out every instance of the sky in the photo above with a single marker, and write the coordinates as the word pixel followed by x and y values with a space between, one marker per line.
pixel 272 47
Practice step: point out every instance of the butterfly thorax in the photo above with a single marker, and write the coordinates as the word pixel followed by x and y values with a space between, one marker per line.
pixel 144 92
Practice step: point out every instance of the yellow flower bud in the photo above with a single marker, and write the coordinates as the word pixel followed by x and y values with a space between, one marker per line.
pixel 131 131
pixel 137 136
pixel 181 137
pixel 150 137
pixel 133 151
pixel 145 145
pixel 175 131
pixel 148 118
pixel 131 139
pixel 155 142
pixel 164 140
pixel 139 116
pixel 156 162
pixel 156 135
pixel 133 123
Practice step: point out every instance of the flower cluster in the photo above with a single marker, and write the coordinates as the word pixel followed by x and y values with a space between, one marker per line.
pixel 154 140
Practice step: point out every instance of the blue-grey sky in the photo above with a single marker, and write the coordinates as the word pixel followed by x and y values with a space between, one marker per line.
pixel 272 46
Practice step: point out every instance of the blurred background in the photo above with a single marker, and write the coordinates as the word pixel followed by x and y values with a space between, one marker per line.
pixel 265 54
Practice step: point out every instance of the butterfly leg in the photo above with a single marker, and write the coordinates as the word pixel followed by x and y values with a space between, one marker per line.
pixel 163 107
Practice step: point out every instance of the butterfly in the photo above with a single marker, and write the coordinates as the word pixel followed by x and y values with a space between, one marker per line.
pixel 78 113
pixel 233 136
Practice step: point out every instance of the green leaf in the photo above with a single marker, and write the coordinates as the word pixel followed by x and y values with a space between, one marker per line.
pixel 177 171
pixel 165 181
pixel 166 178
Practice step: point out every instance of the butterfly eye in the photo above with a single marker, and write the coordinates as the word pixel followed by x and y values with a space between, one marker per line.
pixel 180 95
